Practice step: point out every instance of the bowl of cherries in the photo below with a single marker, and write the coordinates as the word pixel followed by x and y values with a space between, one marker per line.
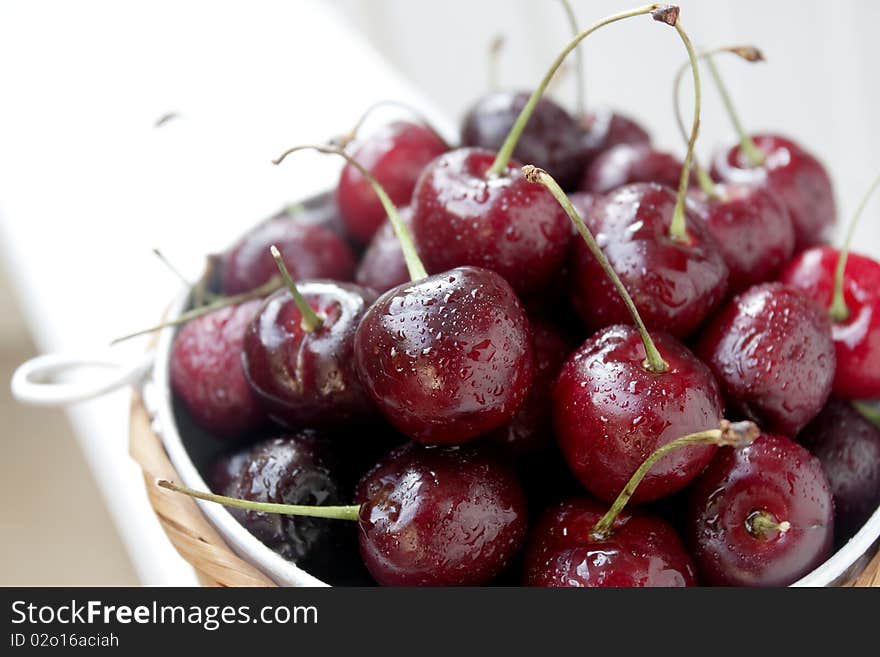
pixel 549 356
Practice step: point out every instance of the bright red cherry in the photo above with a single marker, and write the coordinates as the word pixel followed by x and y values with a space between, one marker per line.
pixel 761 515
pixel 382 265
pixel 395 155
pixel 446 358
pixel 207 376
pixel 771 350
pixel 630 163
pixel 642 551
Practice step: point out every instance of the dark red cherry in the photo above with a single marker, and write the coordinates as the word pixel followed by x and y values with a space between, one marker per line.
pixel 531 429
pixel 446 358
pixel 857 338
pixel 550 140
pixel 382 266
pixel 295 468
pixel 611 413
pixel 207 376
pixel 440 517
pixel 395 155
pixel 675 285
pixel 642 550
pixel 771 350
pixel 604 129
pixel 630 163
pixel 752 229
pixel 760 515
pixel 504 223
pixel 794 176
pixel 848 445
pixel 309 251
pixel 307 378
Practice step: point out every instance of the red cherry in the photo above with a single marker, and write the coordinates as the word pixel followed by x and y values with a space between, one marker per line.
pixel 642 551
pixel 207 376
pixel 675 284
pixel 856 338
pixel 760 515
pixel 604 129
pixel 383 266
pixel 772 353
pixel 440 517
pixel 794 176
pixel 752 229
pixel 446 358
pixel 630 163
pixel 395 155
pixel 611 413
pixel 463 216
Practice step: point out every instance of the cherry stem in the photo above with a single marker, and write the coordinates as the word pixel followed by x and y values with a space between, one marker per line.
pixel 264 290
pixel 653 361
pixel 496 45
pixel 761 524
pixel 838 310
pixel 869 412
pixel 170 267
pixel 410 255
pixel 580 71
pixel 732 434
pixel 664 13
pixel 310 321
pixel 344 140
pixel 678 227
pixel 746 143
pixel 347 512
pixel 748 53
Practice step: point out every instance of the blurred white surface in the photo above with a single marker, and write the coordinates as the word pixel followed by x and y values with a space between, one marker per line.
pixel 88 186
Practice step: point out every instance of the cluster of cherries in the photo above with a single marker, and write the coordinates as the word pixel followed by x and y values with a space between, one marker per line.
pixel 451 346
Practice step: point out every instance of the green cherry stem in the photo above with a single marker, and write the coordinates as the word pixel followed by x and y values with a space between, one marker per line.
pixel 348 512
pixel 654 361
pixel 746 143
pixel 310 321
pixel 493 75
pixel 838 309
pixel 664 13
pixel 410 255
pixel 732 434
pixel 868 411
pixel 580 71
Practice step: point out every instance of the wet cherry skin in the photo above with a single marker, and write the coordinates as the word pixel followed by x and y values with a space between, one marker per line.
pixel 642 551
pixel 446 358
pixel 856 339
pixel 308 379
pixel 382 265
pixel 207 376
pixel 395 156
pixel 504 223
pixel 604 129
pixel 848 445
pixel 310 250
pixel 630 163
pixel 550 140
pixel 774 476
pixel 752 229
pixel 440 517
pixel 611 413
pixel 794 176
pixel 675 285
pixel 771 350
pixel 296 468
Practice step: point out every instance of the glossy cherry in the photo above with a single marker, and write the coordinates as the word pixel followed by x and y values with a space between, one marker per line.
pixel 848 446
pixel 772 353
pixel 382 265
pixel 305 376
pixel 675 283
pixel 310 250
pixel 395 155
pixel 857 337
pixel 630 163
pixel 463 215
pixel 604 129
pixel 446 358
pixel 440 517
pixel 207 376
pixel 760 515
pixel 642 551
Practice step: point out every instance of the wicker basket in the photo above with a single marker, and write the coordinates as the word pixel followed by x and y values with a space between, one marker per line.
pixel 200 544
